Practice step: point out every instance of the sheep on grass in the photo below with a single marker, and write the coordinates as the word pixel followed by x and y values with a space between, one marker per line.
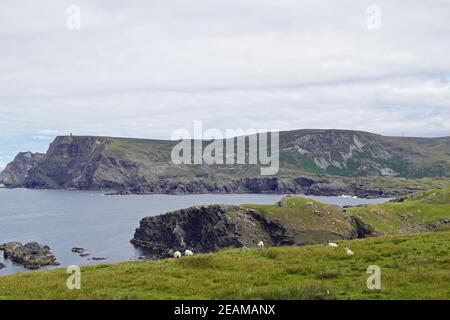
pixel 348 251
pixel 331 244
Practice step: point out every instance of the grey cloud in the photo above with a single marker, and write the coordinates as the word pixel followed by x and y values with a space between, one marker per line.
pixel 146 68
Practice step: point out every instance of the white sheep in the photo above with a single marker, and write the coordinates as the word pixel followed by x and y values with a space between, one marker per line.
pixel 188 253
pixel 177 254
pixel 331 244
pixel 260 244
pixel 348 251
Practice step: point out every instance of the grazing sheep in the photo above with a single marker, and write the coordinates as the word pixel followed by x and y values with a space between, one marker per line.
pixel 331 244
pixel 177 254
pixel 348 251
pixel 260 244
pixel 188 253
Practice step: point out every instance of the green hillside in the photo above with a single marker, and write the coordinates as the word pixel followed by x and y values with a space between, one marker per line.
pixel 320 162
pixel 417 212
pixel 415 265
pixel 412 267
pixel 309 221
pixel 333 152
pixel 357 153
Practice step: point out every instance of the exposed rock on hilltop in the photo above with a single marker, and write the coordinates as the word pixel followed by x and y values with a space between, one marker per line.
pixel 16 171
pixel 209 228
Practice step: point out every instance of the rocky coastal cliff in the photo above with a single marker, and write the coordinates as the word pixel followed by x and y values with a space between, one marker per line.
pixel 320 162
pixel 207 229
pixel 293 221
pixel 16 172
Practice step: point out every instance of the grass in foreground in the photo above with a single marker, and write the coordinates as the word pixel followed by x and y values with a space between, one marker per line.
pixel 412 267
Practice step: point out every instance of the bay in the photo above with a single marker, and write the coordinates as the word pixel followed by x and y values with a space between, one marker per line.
pixel 103 225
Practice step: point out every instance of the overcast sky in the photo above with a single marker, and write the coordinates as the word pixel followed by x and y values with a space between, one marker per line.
pixel 145 68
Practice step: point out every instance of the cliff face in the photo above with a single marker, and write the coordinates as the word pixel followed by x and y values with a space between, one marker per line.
pixel 207 229
pixel 16 172
pixel 210 228
pixel 311 161
pixel 81 163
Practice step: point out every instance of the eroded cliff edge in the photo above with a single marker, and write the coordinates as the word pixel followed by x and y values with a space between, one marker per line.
pixel 16 172
pixel 210 228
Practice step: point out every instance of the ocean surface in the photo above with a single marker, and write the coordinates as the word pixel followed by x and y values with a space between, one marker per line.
pixel 103 225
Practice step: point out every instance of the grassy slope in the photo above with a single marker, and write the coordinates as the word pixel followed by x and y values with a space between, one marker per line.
pixel 412 267
pixel 298 215
pixel 419 211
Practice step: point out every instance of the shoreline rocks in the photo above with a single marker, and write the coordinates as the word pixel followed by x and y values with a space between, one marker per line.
pixel 81 252
pixel 31 255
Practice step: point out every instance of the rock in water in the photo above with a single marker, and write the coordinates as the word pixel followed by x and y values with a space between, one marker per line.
pixel 77 250
pixel 32 255
pixel 2 265
pixel 9 247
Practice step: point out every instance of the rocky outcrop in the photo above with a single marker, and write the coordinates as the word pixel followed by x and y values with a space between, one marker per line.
pixel 362 228
pixel 290 221
pixel 31 255
pixel 16 172
pixel 207 229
